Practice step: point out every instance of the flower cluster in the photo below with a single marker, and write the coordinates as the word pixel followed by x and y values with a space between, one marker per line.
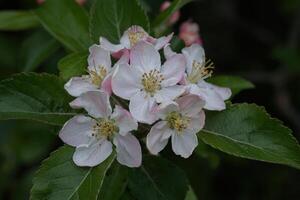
pixel 168 97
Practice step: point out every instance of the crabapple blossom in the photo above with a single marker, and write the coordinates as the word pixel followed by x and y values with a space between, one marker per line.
pixel 181 120
pixel 189 33
pixel 174 17
pixel 94 135
pixel 197 70
pixel 99 69
pixel 145 82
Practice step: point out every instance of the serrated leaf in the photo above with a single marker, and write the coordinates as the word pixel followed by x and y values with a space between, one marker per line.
pixel 67 22
pixel 110 18
pixel 60 179
pixel 246 130
pixel 12 20
pixel 235 83
pixel 74 64
pixel 164 16
pixel 39 97
pixel 157 179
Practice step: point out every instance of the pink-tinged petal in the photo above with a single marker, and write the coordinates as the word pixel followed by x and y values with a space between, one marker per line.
pixel 78 85
pixel 158 137
pixel 162 41
pixel 173 70
pixel 126 81
pixel 96 103
pixel 98 57
pixel 129 150
pixel 142 107
pixel 168 52
pixel 224 92
pixel 193 53
pixel 197 122
pixel 93 154
pixel 124 120
pixel 138 32
pixel 183 144
pixel 124 59
pixel 144 57
pixel 213 101
pixel 125 40
pixel 106 84
pixel 190 105
pixel 77 130
pixel 165 108
pixel 169 93
pixel 105 44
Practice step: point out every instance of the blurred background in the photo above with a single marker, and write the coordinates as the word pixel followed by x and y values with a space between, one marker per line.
pixel 257 40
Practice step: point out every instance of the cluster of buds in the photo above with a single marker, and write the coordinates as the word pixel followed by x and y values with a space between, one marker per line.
pixel 140 95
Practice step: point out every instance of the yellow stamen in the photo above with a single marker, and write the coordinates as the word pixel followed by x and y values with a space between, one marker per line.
pixel 105 128
pixel 135 36
pixel 152 81
pixel 177 121
pixel 97 77
pixel 200 71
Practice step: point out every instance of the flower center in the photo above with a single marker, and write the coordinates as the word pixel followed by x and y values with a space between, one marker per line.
pixel 200 71
pixel 151 81
pixel 135 36
pixel 97 77
pixel 105 128
pixel 177 121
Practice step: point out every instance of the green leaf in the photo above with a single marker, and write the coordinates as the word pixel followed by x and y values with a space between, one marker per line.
pixel 235 83
pixel 39 97
pixel 60 179
pixel 166 14
pixel 190 195
pixel 74 64
pixel 246 130
pixel 17 20
pixel 110 18
pixel 157 179
pixel 115 182
pixel 67 22
pixel 36 49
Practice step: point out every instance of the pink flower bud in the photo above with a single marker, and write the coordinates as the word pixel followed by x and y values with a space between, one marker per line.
pixel 189 33
pixel 174 17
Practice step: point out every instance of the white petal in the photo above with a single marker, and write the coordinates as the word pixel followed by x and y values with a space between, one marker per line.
pixel 105 44
pixel 125 42
pixel 184 144
pixel 78 85
pixel 197 122
pixel 133 30
pixel 145 57
pixel 169 93
pixel 126 81
pixel 106 84
pixel 92 154
pixel 124 120
pixel 224 92
pixel 195 52
pixel 173 70
pixel 190 105
pixel 129 150
pixel 96 103
pixel 142 108
pixel 168 52
pixel 77 130
pixel 158 137
pixel 165 108
pixel 162 41
pixel 98 58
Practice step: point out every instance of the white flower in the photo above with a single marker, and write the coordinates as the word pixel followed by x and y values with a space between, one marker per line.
pixel 145 82
pixel 197 70
pixel 99 69
pixel 181 120
pixel 131 37
pixel 93 135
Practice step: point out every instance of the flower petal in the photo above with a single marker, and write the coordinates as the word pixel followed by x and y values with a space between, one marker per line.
pixel 183 144
pixel 173 70
pixel 126 81
pixel 105 44
pixel 165 108
pixel 195 52
pixel 106 84
pixel 190 105
pixel 129 150
pixel 78 85
pixel 158 137
pixel 142 108
pixel 92 154
pixel 145 57
pixel 96 103
pixel 98 58
pixel 124 120
pixel 162 41
pixel 77 130
pixel 197 122
pixel 224 92
pixel 169 93
pixel 168 52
